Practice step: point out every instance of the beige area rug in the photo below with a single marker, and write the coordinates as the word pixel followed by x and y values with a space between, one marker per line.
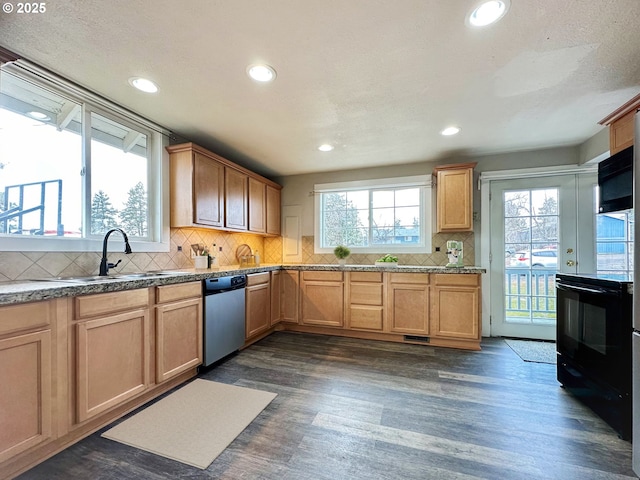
pixel 533 350
pixel 194 424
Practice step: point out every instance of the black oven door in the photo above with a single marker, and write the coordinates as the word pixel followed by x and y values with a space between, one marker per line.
pixel 592 330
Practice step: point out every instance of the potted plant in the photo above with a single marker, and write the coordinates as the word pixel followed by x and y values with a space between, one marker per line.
pixel 341 252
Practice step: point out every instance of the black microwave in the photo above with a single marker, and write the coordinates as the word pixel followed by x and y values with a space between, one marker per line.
pixel 615 182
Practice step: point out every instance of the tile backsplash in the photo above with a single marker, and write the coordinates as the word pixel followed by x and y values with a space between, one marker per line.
pixel 31 265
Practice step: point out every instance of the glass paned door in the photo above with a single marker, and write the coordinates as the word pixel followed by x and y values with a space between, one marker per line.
pixel 534 225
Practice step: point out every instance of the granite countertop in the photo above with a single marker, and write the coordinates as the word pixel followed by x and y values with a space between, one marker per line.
pixel 22 291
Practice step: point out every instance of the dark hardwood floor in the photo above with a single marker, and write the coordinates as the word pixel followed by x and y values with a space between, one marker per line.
pixel 357 409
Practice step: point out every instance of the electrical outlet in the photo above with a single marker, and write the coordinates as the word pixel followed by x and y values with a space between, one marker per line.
pixel 179 248
pixel 437 249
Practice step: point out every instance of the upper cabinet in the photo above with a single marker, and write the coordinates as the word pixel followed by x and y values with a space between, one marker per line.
pixel 209 191
pixel 454 197
pixel 620 124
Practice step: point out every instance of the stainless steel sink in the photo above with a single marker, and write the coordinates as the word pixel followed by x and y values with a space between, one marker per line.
pixel 108 278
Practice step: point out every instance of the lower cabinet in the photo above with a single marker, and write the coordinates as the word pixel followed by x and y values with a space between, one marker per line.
pixel 408 304
pixel 26 380
pixel 276 297
pixel 365 301
pixel 456 306
pixel 290 286
pixel 258 304
pixel 322 298
pixel 178 346
pixel 112 361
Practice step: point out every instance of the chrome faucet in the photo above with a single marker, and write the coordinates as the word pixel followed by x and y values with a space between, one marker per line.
pixel 104 264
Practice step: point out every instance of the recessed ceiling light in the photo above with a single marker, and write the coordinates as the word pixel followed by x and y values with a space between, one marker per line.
pixel 488 12
pixel 39 116
pixel 325 147
pixel 143 84
pixel 449 131
pixel 261 73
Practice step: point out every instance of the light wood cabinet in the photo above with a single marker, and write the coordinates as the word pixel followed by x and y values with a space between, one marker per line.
pixel 454 197
pixel 322 298
pixel 258 304
pixel 178 326
pixel 408 303
pixel 276 297
pixel 112 350
pixel 455 300
pixel 26 377
pixel 290 296
pixel 365 301
pixel 273 210
pixel 236 199
pixel 621 125
pixel 209 191
pixel 197 190
pixel 257 206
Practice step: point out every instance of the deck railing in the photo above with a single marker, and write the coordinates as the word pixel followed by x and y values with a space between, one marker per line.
pixel 530 294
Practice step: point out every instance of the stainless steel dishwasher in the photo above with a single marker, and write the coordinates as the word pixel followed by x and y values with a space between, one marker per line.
pixel 224 308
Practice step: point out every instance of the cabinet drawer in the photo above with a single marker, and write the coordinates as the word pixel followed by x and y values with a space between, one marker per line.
pixel 170 293
pixel 459 279
pixel 257 278
pixel 420 278
pixel 365 276
pixel 367 318
pixel 25 316
pixel 365 294
pixel 107 303
pixel 322 276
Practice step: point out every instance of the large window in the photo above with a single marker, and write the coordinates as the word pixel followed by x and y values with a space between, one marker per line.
pixel 72 169
pixel 374 216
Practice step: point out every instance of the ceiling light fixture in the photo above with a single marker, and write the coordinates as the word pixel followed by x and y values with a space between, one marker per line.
pixel 487 13
pixel 143 84
pixel 39 116
pixel 261 73
pixel 449 131
pixel 325 147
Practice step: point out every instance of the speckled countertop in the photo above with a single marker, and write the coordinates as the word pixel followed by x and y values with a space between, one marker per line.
pixel 21 291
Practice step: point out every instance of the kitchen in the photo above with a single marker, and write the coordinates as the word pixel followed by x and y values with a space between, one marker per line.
pixel 297 178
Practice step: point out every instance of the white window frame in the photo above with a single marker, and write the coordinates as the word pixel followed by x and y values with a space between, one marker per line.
pixel 157 176
pixel 426 211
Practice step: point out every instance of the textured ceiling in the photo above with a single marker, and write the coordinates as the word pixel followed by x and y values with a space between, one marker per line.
pixel 378 79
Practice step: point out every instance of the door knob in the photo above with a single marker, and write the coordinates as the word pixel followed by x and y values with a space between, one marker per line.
pixel 570 263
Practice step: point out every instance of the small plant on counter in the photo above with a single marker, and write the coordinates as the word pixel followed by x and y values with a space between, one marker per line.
pixel 388 259
pixel 341 252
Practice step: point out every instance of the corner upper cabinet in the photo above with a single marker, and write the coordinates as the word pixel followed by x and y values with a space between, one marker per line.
pixel 197 188
pixel 454 197
pixel 273 210
pixel 257 206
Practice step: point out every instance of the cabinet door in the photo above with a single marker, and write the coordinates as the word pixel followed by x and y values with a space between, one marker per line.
pixel 273 210
pixel 208 193
pixel 257 206
pixel 621 132
pixel 322 303
pixel 236 199
pixel 258 309
pixel 454 200
pixel 276 297
pixel 26 398
pixel 178 338
pixel 290 296
pixel 456 312
pixel 112 361
pixel 408 308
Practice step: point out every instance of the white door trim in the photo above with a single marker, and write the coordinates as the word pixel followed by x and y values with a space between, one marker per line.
pixel 484 184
